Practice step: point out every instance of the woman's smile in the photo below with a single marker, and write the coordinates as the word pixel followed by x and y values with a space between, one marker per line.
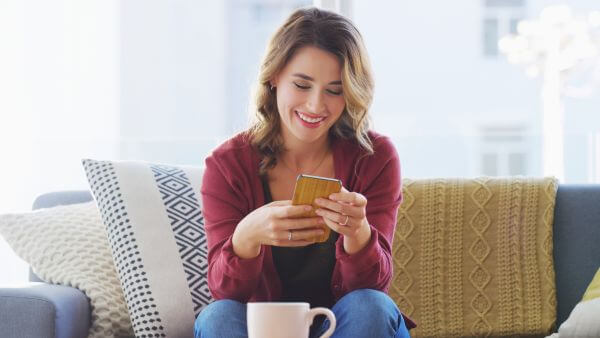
pixel 309 120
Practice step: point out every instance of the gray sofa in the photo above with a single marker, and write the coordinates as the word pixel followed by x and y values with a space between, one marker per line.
pixel 42 310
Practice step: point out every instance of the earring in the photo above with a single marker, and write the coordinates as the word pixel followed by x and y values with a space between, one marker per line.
pixel 272 87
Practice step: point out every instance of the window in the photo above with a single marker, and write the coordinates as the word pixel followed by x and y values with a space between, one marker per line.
pixel 504 151
pixel 501 17
pixel 490 37
pixel 593 170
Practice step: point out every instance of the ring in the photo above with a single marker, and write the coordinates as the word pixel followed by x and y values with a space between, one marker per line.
pixel 346 221
pixel 290 235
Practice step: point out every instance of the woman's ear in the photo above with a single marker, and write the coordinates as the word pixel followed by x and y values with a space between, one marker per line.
pixel 273 82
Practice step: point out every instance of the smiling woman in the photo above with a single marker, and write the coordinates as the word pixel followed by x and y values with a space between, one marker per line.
pixel 311 100
pixel 343 76
pixel 315 88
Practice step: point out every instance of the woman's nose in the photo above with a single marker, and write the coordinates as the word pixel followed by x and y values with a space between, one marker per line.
pixel 316 103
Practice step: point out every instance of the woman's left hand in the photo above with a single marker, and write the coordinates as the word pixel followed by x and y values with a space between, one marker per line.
pixel 346 213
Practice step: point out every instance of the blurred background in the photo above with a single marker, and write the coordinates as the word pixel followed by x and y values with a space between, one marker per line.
pixel 463 88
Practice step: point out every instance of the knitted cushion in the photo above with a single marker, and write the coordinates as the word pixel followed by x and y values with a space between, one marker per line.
pixel 67 245
pixel 156 232
pixel 473 257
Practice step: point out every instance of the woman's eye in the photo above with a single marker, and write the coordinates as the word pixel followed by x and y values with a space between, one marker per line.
pixel 333 92
pixel 301 86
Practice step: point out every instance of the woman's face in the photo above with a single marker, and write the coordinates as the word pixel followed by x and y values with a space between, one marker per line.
pixel 309 95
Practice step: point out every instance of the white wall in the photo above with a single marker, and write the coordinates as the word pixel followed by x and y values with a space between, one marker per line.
pixel 435 89
pixel 60 100
pixel 172 79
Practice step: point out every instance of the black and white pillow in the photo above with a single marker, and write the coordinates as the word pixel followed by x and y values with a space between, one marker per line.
pixel 155 228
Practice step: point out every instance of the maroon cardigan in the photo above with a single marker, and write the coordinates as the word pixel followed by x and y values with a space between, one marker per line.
pixel 231 189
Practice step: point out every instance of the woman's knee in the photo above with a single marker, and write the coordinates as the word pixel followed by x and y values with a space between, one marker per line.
pixel 384 316
pixel 369 300
pixel 217 314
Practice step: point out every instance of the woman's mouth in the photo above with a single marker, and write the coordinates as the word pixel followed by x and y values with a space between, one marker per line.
pixel 309 121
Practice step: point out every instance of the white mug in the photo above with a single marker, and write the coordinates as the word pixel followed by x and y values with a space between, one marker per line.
pixel 284 320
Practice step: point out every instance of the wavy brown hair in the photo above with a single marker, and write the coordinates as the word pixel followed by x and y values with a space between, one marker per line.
pixel 330 32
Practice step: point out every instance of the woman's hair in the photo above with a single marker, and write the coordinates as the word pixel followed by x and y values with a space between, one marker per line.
pixel 330 32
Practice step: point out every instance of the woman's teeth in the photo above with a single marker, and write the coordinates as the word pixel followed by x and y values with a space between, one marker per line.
pixel 310 119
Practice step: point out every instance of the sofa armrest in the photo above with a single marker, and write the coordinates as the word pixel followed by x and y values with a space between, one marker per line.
pixel 43 310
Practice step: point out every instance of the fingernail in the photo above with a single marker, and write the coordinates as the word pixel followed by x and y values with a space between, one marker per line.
pixel 307 208
pixel 318 211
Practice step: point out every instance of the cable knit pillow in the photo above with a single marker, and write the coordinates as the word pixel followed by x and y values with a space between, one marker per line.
pixel 155 229
pixel 67 245
pixel 473 257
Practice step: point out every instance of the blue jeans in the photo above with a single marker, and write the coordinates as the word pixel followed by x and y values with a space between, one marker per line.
pixel 360 313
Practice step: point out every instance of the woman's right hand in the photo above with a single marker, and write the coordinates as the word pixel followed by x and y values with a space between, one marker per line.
pixel 272 224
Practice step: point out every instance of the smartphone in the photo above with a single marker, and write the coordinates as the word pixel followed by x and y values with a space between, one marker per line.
pixel 308 188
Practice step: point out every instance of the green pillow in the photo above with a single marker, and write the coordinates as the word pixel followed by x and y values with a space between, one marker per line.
pixel 593 290
pixel 583 320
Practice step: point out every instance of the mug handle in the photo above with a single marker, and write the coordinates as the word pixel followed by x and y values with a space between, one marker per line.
pixel 323 311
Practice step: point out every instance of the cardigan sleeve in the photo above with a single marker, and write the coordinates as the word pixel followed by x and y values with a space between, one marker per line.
pixel 229 276
pixel 371 267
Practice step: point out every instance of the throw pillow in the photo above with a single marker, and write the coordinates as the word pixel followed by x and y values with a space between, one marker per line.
pixel 473 257
pixel 593 290
pixel 155 229
pixel 67 245
pixel 583 320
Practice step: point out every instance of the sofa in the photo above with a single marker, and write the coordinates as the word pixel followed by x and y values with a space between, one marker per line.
pixel 38 309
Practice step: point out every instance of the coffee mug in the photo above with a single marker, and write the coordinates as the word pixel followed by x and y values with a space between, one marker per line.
pixel 284 320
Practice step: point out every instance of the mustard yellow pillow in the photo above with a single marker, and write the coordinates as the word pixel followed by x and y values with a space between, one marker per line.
pixel 473 257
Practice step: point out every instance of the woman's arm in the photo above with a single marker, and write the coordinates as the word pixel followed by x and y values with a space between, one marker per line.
pixel 229 276
pixel 237 235
pixel 371 267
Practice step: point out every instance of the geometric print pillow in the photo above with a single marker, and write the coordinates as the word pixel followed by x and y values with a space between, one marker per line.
pixel 155 229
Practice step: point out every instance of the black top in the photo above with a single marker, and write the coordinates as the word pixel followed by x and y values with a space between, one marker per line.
pixel 305 272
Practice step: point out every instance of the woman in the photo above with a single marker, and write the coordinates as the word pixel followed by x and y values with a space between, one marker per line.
pixel 315 88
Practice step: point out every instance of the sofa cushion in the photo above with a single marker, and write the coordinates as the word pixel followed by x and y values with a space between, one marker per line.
pixel 45 310
pixel 67 245
pixel 473 257
pixel 576 234
pixel 155 228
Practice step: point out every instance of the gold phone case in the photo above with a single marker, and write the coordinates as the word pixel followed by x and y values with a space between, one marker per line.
pixel 308 188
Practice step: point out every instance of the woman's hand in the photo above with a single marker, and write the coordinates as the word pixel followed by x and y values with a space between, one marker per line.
pixel 275 224
pixel 346 213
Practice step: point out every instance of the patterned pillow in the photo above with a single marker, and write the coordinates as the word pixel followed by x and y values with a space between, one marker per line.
pixel 67 245
pixel 155 229
pixel 473 257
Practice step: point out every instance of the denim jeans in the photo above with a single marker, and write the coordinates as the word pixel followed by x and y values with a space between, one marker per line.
pixel 360 313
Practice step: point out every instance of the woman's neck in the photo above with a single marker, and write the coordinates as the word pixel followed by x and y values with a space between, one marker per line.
pixel 305 158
